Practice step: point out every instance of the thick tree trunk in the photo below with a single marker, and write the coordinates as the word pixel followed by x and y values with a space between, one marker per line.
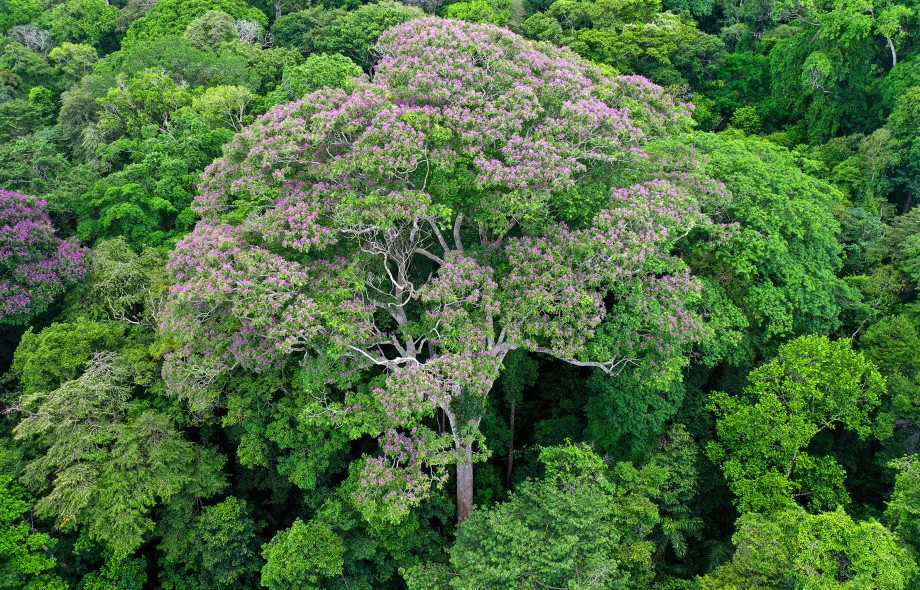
pixel 277 4
pixel 894 54
pixel 465 485
pixel 510 466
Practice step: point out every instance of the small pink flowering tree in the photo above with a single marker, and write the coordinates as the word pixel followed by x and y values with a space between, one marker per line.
pixel 398 240
pixel 35 265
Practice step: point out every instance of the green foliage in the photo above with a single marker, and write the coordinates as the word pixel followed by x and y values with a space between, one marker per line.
pixel 108 463
pixel 901 243
pixel 813 385
pixel 21 69
pixel 774 275
pixel 746 119
pixel 794 549
pixel 149 100
pixel 496 12
pixel 626 413
pixel 34 164
pixel 18 118
pixel 44 361
pixel 74 60
pixel 18 12
pixel 274 428
pixel 176 57
pixel 827 81
pixel 679 458
pixel 542 27
pixel 147 201
pixel 224 106
pixel 892 343
pixel 302 556
pixel 210 30
pixel 84 21
pixel 322 70
pixel 296 30
pixel 26 555
pixel 355 33
pixel 264 67
pixel 903 512
pixel 817 109
pixel 216 550
pixel 120 286
pixel 744 80
pixel 43 99
pixel 116 574
pixel 899 80
pixel 172 17
pixel 578 527
pixel 632 37
pixel 698 8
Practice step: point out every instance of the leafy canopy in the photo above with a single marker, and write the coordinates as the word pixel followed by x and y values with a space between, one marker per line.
pixel 412 231
pixel 794 549
pixel 814 384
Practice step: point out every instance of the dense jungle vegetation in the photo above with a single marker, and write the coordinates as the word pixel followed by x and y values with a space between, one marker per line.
pixel 475 294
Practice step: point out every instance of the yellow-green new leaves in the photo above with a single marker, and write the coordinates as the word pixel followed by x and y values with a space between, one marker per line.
pixel 25 554
pixel 812 385
pixel 302 556
pixel 794 549
pixel 903 511
pixel 225 106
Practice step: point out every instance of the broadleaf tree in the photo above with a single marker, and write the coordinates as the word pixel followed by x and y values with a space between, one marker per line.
pixel 400 239
pixel 813 385
pixel 35 265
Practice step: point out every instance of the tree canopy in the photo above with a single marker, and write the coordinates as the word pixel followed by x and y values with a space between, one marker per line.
pixel 428 294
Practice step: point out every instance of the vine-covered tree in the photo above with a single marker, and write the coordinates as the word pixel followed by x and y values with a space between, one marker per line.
pixel 107 463
pixel 398 240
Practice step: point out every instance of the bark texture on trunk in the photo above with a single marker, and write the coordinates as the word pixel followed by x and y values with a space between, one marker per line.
pixel 465 486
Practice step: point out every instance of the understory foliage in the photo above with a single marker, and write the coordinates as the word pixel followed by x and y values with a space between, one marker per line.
pixel 582 524
pixel 429 294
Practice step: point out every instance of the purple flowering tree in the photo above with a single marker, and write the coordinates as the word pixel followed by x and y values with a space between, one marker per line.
pixel 398 240
pixel 35 265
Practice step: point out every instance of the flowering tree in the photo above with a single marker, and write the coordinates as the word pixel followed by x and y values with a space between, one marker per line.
pixel 398 240
pixel 35 265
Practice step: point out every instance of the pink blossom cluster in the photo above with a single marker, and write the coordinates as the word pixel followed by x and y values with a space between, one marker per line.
pixel 402 477
pixel 35 265
pixel 559 281
pixel 418 390
pixel 447 95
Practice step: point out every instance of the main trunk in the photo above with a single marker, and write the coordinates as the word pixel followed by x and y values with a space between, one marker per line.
pixel 894 54
pixel 465 485
pixel 510 465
